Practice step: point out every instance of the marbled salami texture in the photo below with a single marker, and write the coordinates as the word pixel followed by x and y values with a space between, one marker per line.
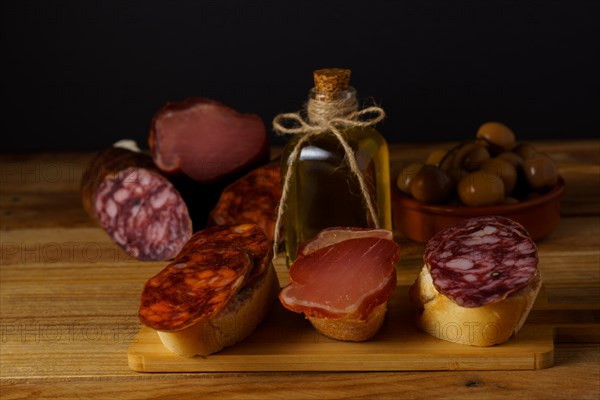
pixel 138 207
pixel 482 260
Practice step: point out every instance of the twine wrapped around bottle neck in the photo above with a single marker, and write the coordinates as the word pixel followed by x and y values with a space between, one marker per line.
pixel 321 112
pixel 326 116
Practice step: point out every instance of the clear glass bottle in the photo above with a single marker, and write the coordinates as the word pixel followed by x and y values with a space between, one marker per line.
pixel 323 191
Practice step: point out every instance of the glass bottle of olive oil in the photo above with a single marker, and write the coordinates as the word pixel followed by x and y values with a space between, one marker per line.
pixel 323 191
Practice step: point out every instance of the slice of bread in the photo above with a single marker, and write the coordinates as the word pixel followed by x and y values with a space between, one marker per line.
pixel 355 330
pixel 487 325
pixel 233 324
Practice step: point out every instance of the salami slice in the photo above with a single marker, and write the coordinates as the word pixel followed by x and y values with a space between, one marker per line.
pixel 482 260
pixel 248 237
pixel 194 289
pixel 435 241
pixel 251 199
pixel 138 207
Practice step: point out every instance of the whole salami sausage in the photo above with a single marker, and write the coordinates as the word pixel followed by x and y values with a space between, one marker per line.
pixel 482 260
pixel 251 199
pixel 137 206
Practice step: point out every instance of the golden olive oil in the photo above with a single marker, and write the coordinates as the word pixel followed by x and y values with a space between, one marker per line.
pixel 323 191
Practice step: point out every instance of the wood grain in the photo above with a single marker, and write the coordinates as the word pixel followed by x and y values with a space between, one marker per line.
pixel 69 300
pixel 575 375
pixel 287 342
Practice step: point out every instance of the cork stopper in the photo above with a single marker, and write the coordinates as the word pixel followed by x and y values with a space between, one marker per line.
pixel 330 81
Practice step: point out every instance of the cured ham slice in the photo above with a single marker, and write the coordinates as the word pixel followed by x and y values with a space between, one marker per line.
pixel 345 280
pixel 338 234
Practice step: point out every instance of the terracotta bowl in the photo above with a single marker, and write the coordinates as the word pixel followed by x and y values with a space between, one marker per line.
pixel 419 221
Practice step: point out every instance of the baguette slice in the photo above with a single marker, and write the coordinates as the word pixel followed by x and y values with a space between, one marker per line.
pixel 351 329
pixel 487 325
pixel 234 323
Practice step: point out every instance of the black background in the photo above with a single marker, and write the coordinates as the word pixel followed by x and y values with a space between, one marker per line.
pixel 79 75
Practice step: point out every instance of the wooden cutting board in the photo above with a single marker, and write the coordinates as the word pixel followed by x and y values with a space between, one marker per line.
pixel 285 341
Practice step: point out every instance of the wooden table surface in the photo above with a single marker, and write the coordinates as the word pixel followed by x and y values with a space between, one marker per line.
pixel 69 301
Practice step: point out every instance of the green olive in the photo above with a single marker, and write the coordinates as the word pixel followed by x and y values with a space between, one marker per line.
pixel 406 175
pixel 525 150
pixel 436 156
pixel 481 189
pixel 513 158
pixel 431 185
pixel 541 172
pixel 475 158
pixel 504 170
pixel 497 134
pixel 456 155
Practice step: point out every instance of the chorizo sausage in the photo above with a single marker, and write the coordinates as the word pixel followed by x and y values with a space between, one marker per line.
pixel 251 199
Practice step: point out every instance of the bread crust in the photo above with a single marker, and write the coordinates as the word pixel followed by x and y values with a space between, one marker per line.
pixel 487 325
pixel 355 330
pixel 233 324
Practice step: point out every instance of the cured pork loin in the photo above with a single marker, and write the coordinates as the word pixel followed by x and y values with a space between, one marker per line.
pixel 343 286
pixel 334 235
pixel 206 140
pixel 136 205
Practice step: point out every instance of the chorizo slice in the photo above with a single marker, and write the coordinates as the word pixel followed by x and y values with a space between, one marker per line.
pixel 194 289
pixel 251 199
pixel 136 205
pixel 249 237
